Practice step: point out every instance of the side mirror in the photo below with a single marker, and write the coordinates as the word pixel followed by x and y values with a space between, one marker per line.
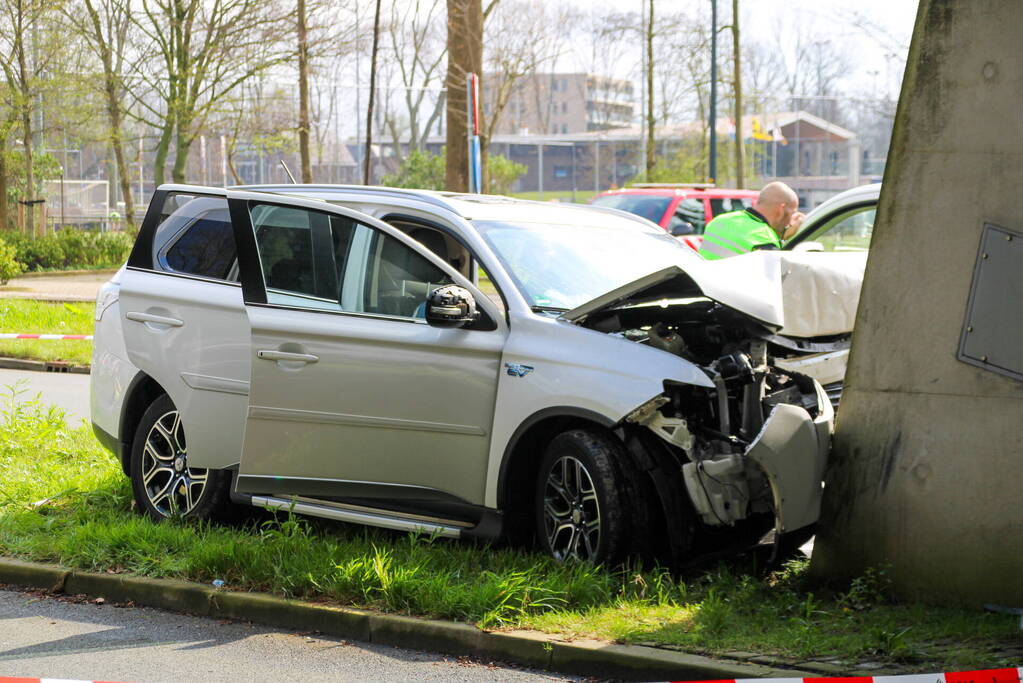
pixel 808 246
pixel 450 306
pixel 682 228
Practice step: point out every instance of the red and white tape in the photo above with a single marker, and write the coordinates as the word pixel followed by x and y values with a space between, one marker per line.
pixel 45 680
pixel 15 335
pixel 986 676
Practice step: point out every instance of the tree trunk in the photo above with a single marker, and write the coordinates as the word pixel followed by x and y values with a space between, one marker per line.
pixel 303 95
pixel 367 174
pixel 465 56
pixel 30 176
pixel 650 120
pixel 162 152
pixel 182 146
pixel 740 151
pixel 3 179
pixel 117 145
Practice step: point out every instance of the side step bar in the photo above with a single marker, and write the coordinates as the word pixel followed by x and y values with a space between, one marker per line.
pixel 359 516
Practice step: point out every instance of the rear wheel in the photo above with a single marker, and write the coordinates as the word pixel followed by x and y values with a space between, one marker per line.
pixel 162 481
pixel 579 498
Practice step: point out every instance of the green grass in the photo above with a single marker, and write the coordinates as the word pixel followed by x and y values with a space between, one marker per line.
pixel 581 196
pixel 63 499
pixel 22 315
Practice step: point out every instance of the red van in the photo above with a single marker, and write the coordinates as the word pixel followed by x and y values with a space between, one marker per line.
pixel 682 210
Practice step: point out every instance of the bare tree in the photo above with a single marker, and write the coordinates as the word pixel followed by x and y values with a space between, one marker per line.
pixel 651 121
pixel 202 51
pixel 418 59
pixel 522 38
pixel 28 47
pixel 104 27
pixel 302 34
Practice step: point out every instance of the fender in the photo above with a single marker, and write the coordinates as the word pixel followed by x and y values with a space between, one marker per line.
pixel 529 423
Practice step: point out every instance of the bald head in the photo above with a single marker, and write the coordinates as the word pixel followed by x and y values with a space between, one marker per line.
pixel 777 202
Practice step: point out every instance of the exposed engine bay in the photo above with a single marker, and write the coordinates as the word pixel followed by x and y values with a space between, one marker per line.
pixel 725 439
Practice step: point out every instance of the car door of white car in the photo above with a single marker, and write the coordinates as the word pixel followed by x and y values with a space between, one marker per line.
pixel 183 319
pixel 354 397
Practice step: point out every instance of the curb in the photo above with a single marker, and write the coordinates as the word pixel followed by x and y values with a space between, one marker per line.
pixel 525 648
pixel 43 366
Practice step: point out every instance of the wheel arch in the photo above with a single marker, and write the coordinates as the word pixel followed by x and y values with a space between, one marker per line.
pixel 141 393
pixel 524 450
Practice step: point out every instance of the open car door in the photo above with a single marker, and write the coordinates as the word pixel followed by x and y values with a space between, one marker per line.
pixel 354 398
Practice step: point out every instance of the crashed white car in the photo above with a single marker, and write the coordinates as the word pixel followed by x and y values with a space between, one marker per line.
pixel 469 366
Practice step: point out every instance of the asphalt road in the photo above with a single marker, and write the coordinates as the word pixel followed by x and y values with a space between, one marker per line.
pixel 60 638
pixel 68 391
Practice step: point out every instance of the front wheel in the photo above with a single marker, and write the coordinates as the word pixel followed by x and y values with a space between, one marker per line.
pixel 579 498
pixel 162 481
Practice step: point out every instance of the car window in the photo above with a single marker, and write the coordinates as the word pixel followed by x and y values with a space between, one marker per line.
pixel 387 277
pixel 719 205
pixel 691 211
pixel 312 259
pixel 650 207
pixel 848 231
pixel 195 237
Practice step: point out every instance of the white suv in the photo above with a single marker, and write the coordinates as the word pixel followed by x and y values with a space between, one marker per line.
pixel 469 366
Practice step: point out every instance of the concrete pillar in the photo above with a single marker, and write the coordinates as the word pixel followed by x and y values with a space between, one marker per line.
pixel 927 469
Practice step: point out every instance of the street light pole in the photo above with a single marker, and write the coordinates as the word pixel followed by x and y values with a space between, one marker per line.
pixel 713 170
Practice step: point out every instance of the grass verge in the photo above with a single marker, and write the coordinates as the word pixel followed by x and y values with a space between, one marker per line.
pixel 23 315
pixel 63 499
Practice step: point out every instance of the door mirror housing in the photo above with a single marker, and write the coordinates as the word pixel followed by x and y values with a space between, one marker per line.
pixel 451 306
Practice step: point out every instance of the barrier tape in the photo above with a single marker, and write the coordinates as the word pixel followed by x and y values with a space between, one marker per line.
pixel 45 680
pixel 14 335
pixel 986 676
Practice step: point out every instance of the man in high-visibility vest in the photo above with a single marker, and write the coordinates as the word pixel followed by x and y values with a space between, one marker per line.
pixel 770 220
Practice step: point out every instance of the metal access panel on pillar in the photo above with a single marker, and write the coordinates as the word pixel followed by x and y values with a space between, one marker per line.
pixel 992 336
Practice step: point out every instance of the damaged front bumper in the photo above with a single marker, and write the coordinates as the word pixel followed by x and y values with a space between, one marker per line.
pixel 780 470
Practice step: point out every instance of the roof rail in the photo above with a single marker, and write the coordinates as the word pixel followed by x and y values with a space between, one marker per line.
pixel 691 186
pixel 372 190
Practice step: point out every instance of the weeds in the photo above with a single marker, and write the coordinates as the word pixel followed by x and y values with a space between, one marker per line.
pixel 63 499
pixel 19 315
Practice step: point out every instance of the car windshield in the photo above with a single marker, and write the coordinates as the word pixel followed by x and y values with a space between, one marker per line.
pixel 650 207
pixel 558 267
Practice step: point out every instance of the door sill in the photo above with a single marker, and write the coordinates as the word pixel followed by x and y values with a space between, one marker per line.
pixel 358 514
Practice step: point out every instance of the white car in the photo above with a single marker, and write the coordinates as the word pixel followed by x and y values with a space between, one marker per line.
pixel 469 366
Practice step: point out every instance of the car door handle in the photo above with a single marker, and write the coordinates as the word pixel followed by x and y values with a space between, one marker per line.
pixel 150 319
pixel 267 354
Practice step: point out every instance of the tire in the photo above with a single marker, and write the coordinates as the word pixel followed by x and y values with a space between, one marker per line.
pixel 163 484
pixel 580 501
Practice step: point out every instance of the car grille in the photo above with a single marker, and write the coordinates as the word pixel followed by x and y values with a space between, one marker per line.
pixel 834 392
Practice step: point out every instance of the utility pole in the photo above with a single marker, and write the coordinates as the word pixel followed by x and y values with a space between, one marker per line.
pixel 740 152
pixel 650 121
pixel 713 170
pixel 367 171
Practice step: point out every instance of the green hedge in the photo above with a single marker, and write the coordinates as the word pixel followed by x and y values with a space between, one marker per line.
pixel 70 249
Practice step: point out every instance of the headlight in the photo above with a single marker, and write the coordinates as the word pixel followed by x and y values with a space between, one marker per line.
pixel 107 297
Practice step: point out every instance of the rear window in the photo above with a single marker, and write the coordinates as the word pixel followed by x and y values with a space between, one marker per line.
pixel 195 237
pixel 719 205
pixel 650 207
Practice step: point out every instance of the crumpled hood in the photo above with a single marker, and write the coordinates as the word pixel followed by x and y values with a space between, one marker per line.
pixel 750 284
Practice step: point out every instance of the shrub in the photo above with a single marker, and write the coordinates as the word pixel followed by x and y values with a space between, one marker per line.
pixel 9 265
pixel 71 248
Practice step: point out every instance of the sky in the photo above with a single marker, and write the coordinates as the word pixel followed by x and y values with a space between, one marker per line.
pixel 880 49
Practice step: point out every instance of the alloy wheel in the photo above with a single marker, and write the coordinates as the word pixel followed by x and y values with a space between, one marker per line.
pixel 172 487
pixel 571 510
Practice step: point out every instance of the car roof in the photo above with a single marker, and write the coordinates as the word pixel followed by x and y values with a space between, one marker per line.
pixel 685 192
pixel 857 195
pixel 481 207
